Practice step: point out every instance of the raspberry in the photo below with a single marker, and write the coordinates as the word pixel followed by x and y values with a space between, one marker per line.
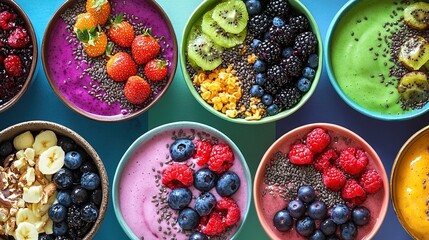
pixel 300 154
pixel 334 179
pixel 13 65
pixel 18 38
pixel 352 161
pixel 371 181
pixel 177 175
pixel 353 193
pixel 212 224
pixel 229 211
pixel 317 140
pixel 202 153
pixel 324 160
pixel 6 20
pixel 221 158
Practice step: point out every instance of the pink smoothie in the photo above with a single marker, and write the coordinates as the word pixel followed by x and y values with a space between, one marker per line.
pixel 64 69
pixel 273 203
pixel 138 186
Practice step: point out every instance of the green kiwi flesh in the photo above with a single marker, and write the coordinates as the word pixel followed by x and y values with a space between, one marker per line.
pixel 203 51
pixel 416 15
pixel 232 16
pixel 414 53
pixel 218 34
pixel 414 87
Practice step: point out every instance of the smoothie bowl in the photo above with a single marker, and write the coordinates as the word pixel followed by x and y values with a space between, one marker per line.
pixel 54 185
pixel 109 60
pixel 377 58
pixel 259 65
pixel 182 180
pixel 18 53
pixel 321 181
pixel 408 185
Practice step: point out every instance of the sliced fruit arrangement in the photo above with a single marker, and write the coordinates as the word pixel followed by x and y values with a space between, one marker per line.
pixel 50 187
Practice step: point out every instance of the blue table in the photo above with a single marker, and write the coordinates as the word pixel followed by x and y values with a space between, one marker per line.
pixel 112 139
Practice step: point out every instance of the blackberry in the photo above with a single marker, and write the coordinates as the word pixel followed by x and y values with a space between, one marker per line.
pixel 287 97
pixel 258 24
pixel 292 65
pixel 271 87
pixel 268 51
pixel 276 74
pixel 299 23
pixel 277 8
pixel 283 35
pixel 74 218
pixel 81 232
pixel 305 44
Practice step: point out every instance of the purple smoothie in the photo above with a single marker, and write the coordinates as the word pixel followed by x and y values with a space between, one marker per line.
pixel 65 71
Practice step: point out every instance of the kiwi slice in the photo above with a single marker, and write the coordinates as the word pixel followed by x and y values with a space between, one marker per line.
pixel 204 52
pixel 218 35
pixel 416 15
pixel 414 87
pixel 231 16
pixel 414 53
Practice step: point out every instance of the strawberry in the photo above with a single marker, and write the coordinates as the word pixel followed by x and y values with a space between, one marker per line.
pixel 156 70
pixel 84 20
pixel 136 90
pixel 94 42
pixel 13 65
pixel 6 20
pixel 100 9
pixel 18 38
pixel 120 66
pixel 145 48
pixel 121 32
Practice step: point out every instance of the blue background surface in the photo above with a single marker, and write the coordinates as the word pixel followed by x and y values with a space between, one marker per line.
pixel 112 139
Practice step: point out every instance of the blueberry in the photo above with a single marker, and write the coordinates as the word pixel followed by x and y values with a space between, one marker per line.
pixel 6 148
pixel 255 43
pixel 66 143
pixel 64 198
pixel 228 184
pixel 282 221
pixel 87 166
pixel 44 236
pixel 79 195
pixel 188 219
pixel 260 66
pixel 287 52
pixel 179 198
pixel 328 227
pixel 57 212
pixel 361 215
pixel 267 99
pixel 204 179
pixel 296 208
pixel 256 91
pixel 313 61
pixel 96 196
pixel 198 236
pixel 253 7
pixel 63 178
pixel 308 72
pixel 340 213
pixel 317 210
pixel 306 194
pixel 90 181
pixel 182 149
pixel 317 235
pixel 273 109
pixel 89 212
pixel 348 231
pixel 303 84
pixel 60 228
pixel 278 22
pixel 72 160
pixel 205 203
pixel 260 79
pixel 305 226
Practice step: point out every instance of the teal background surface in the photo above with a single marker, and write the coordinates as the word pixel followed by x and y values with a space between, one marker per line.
pixel 112 139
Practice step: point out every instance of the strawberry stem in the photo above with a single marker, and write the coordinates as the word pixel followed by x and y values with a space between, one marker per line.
pixel 109 49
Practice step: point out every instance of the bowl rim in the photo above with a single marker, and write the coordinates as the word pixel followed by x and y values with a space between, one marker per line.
pixel 197 13
pixel 398 159
pixel 105 118
pixel 259 176
pixel 38 125
pixel 17 8
pixel 167 127
pixel 348 6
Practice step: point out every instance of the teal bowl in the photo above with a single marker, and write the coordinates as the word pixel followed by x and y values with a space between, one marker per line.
pixel 134 195
pixel 362 59
pixel 197 15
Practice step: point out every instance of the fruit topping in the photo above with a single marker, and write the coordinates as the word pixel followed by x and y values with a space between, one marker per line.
pixel 219 36
pixel 212 225
pixel 179 198
pixel 18 38
pixel 253 7
pixel 227 184
pixel 352 161
pixel 121 32
pixel 306 194
pixel 84 21
pixel 328 227
pixel 188 219
pixel 305 226
pixel 90 181
pixel 414 53
pixel 13 65
pixel 228 210
pixel 324 160
pixel 100 9
pixel 416 15
pixel 120 66
pixel 305 44
pixel 204 52
pixel 333 179
pixel 205 203
pixel 296 208
pixel 353 193
pixel 177 175
pixel 317 210
pixel 300 154
pixel 348 231
pixel 145 48
pixel 317 140
pixel 73 160
pixel 371 181
pixel 182 149
pixel 221 158
pixel 204 179
pixel 414 87
pixel 94 41
pixel 198 236
pixel 340 214
pixel 156 70
pixel 232 16
pixel 137 90
pixel 7 20
pixel 361 215
pixel 282 221
pixel 89 212
pixel 202 152
pixel 63 178
pixel 57 212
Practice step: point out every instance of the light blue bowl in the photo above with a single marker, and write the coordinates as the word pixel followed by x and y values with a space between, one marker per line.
pixel 176 126
pixel 339 17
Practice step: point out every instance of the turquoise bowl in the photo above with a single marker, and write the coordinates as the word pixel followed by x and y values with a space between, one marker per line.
pixel 136 148
pixel 340 18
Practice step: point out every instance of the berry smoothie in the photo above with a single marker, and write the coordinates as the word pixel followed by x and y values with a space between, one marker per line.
pixel 141 191
pixel 67 70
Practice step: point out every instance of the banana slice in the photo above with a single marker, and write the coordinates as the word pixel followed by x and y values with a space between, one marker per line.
pixel 26 231
pixel 30 176
pixel 25 215
pixel 29 154
pixel 32 194
pixel 49 226
pixel 44 140
pixel 51 160
pixel 23 141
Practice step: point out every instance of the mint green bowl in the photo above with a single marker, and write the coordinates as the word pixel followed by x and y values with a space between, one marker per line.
pixel 197 14
pixel 135 148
